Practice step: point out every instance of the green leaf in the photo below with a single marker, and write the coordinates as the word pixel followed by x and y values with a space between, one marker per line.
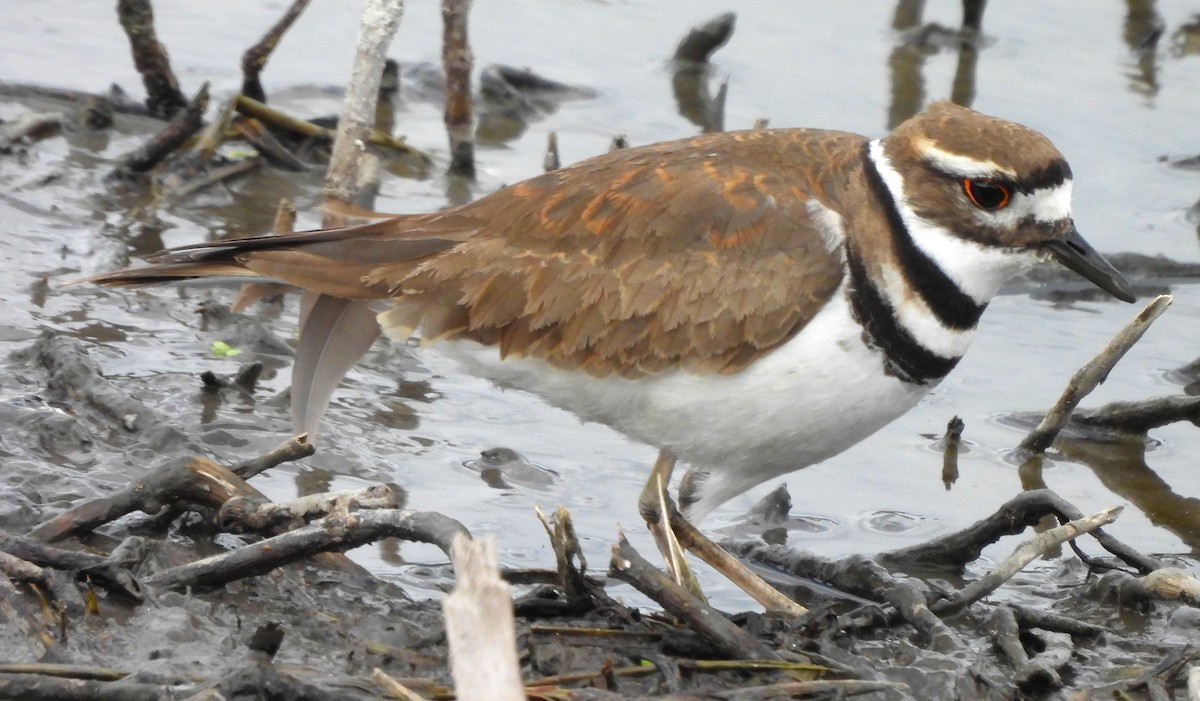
pixel 222 349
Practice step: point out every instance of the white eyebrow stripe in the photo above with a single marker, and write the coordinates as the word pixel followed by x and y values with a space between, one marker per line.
pixel 1051 204
pixel 958 164
pixel 1046 205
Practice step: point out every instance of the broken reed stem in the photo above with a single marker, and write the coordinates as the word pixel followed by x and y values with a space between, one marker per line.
pixel 380 20
pixel 1088 377
pixel 480 629
pixel 456 61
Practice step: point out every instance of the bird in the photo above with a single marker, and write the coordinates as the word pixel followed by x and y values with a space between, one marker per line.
pixel 748 302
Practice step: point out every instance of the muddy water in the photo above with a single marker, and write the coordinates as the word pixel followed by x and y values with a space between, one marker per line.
pixel 1072 70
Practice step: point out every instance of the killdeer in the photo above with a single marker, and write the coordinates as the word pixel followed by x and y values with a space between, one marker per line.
pixel 748 302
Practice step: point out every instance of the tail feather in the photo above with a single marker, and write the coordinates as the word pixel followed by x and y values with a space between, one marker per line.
pixel 170 272
pixel 334 334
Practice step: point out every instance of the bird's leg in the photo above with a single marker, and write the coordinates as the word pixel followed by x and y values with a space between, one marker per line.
pixel 655 507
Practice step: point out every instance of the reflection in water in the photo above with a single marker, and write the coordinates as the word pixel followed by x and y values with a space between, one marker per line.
pixel 1030 474
pixel 1121 467
pixel 691 73
pixel 689 83
pixel 917 42
pixel 1143 28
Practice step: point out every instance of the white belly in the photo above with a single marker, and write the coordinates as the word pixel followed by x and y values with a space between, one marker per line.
pixel 813 397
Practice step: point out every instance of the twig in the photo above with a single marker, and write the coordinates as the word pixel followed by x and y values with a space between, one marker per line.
pixel 393 687
pixel 746 579
pixel 558 680
pixel 163 97
pixel 333 533
pixel 198 168
pixel 1032 617
pixel 1025 553
pixel 68 671
pixel 182 126
pixel 214 175
pixel 479 626
pixel 267 145
pixel 1003 629
pixel 860 576
pixel 111 573
pixel 248 515
pixel 629 566
pixel 567 554
pixel 1089 377
pixel 702 41
pixel 36 687
pixel 294 448
pixel 456 60
pixel 1024 510
pixel 255 58
pixel 196 481
pixel 1141 416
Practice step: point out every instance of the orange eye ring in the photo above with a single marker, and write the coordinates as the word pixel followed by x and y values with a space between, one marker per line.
pixel 986 193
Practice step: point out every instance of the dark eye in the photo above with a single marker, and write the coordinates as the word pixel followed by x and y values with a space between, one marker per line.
pixel 986 193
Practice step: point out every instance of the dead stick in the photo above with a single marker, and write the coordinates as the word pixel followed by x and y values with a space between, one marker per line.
pixel 456 61
pixel 195 481
pixel 1089 377
pixel 163 97
pixel 249 515
pixel 185 123
pixel 1142 415
pixel 331 534
pixel 746 579
pixel 629 566
pixel 380 19
pixel 255 58
pixel 293 448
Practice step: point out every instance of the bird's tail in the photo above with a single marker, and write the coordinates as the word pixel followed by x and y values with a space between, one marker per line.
pixel 339 271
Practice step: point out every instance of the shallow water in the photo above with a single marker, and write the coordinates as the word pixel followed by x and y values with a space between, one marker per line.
pixel 1066 69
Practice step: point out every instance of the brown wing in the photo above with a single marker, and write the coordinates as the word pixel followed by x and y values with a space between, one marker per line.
pixel 701 254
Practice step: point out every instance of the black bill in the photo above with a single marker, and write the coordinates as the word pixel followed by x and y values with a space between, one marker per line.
pixel 1078 255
